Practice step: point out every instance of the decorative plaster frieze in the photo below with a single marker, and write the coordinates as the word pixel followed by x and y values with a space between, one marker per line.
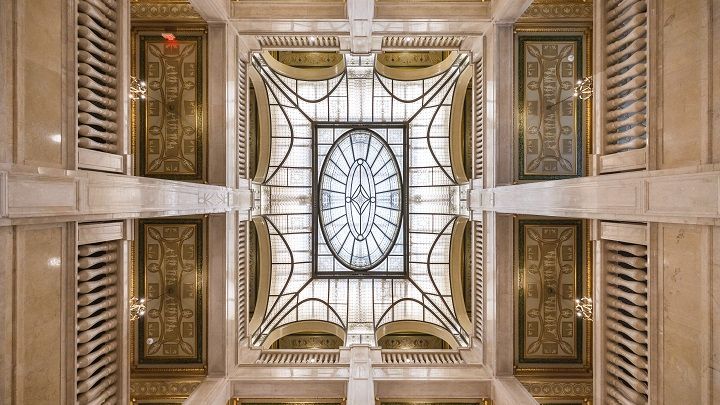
pixel 178 11
pixel 297 41
pixel 559 388
pixel 559 11
pixel 214 198
pixel 162 388
pixel 423 42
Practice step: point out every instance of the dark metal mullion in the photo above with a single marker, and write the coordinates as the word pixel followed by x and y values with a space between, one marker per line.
pixel 427 135
pixel 380 229
pixel 389 208
pixel 297 96
pixel 453 323
pixel 447 80
pixel 343 171
pixel 430 252
pixel 387 191
pixel 292 139
pixel 381 167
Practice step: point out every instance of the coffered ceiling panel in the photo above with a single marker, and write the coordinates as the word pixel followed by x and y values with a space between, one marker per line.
pixel 552 275
pixel 171 275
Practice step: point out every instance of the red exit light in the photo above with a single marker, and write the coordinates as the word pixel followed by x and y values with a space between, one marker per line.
pixel 168 36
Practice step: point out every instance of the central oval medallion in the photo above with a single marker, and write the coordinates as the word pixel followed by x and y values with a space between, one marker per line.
pixel 360 199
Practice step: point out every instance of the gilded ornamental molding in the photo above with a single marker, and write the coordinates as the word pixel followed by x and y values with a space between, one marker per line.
pixel 423 42
pixel 559 388
pixel 554 9
pixel 156 389
pixel 297 41
pixel 176 10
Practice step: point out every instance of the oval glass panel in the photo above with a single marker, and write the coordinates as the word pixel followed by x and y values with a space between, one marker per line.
pixel 360 199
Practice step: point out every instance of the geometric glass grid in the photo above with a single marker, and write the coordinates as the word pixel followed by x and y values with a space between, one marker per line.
pixel 360 201
pixel 308 119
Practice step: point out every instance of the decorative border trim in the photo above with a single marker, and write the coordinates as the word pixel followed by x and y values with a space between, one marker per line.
pixel 566 9
pixel 561 389
pixel 180 10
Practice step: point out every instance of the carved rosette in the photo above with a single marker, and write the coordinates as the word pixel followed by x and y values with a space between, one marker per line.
pixel 559 11
pixel 162 388
pixel 148 11
pixel 559 389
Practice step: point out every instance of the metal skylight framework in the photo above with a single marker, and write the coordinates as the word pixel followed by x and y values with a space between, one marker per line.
pixel 359 201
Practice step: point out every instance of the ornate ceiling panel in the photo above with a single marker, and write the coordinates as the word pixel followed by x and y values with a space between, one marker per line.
pixel 172 121
pixel 551 276
pixel 171 277
pixel 552 122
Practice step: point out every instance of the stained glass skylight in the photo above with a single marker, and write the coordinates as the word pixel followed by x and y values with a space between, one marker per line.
pixel 360 201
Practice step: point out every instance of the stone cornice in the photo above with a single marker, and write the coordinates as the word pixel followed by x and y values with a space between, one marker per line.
pixel 45 195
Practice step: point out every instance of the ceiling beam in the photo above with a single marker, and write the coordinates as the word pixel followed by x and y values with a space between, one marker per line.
pixel 686 195
pixel 360 15
pixel 509 10
pixel 212 10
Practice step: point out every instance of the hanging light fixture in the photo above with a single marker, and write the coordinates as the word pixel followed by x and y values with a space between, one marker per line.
pixel 584 88
pixel 137 308
pixel 584 308
pixel 138 89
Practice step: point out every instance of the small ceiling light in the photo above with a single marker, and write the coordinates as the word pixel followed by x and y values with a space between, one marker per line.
pixel 584 308
pixel 169 36
pixel 311 39
pixel 408 40
pixel 137 308
pixel 138 88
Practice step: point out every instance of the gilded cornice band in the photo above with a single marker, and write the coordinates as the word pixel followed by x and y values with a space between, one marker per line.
pixel 456 271
pixel 264 267
pixel 308 74
pixel 263 125
pixel 416 327
pixel 456 126
pixel 406 74
pixel 303 327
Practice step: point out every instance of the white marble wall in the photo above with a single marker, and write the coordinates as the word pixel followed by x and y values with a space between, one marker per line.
pixel 37 337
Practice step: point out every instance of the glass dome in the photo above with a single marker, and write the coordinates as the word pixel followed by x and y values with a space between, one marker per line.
pixel 360 199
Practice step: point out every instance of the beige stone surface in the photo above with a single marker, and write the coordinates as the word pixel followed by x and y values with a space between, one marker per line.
pixel 715 77
pixel 6 313
pixel 685 195
pixel 7 108
pixel 715 313
pixel 684 335
pixel 40 315
pixel 41 132
pixel 92 196
pixel 684 81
